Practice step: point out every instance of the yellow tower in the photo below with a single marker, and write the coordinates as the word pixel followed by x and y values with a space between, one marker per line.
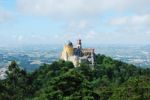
pixel 67 51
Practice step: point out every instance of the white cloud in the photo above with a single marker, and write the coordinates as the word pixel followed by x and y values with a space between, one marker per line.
pixel 116 38
pixel 137 20
pixel 20 38
pixel 82 24
pixel 78 26
pixel 83 13
pixel 81 7
pixel 4 15
pixel 137 24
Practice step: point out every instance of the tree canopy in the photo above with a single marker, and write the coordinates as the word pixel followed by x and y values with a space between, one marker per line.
pixel 108 80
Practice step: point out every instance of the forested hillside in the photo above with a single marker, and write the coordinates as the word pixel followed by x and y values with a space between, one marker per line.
pixel 108 80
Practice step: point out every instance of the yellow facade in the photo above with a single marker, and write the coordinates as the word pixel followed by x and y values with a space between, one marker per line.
pixel 69 50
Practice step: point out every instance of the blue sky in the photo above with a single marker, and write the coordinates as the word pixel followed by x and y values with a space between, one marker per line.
pixel 26 22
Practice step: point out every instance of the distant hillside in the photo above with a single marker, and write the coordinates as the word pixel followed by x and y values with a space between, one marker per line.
pixel 109 79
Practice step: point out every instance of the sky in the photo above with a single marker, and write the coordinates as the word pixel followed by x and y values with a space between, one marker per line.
pixel 37 22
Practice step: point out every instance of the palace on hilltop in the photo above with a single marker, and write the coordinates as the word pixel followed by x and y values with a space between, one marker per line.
pixel 78 54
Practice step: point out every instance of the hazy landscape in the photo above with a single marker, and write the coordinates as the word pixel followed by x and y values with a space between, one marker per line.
pixel 31 57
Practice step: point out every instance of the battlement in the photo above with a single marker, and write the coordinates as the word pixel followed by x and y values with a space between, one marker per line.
pixel 88 50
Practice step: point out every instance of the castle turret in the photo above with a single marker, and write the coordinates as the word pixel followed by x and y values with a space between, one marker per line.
pixel 79 44
pixel 68 51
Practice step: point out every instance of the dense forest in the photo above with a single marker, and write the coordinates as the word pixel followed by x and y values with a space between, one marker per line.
pixel 108 80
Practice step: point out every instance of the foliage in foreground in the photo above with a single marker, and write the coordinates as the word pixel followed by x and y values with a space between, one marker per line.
pixel 108 80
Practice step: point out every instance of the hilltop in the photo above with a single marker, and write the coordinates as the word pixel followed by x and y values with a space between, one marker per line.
pixel 110 79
